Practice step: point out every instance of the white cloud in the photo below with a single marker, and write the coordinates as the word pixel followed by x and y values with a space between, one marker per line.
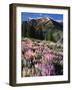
pixel 59 20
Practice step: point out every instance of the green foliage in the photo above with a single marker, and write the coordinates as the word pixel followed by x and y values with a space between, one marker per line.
pixel 51 33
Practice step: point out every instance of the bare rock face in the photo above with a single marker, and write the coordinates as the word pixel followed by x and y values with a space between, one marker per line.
pixel 43 29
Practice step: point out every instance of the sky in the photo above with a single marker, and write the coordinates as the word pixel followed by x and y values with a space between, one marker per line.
pixel 28 16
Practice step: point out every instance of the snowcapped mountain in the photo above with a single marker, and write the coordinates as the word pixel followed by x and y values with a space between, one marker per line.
pixel 43 28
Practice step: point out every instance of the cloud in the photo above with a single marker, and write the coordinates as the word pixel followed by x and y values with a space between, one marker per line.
pixel 30 18
pixel 59 20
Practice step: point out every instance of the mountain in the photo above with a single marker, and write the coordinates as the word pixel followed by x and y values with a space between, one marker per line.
pixel 43 29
